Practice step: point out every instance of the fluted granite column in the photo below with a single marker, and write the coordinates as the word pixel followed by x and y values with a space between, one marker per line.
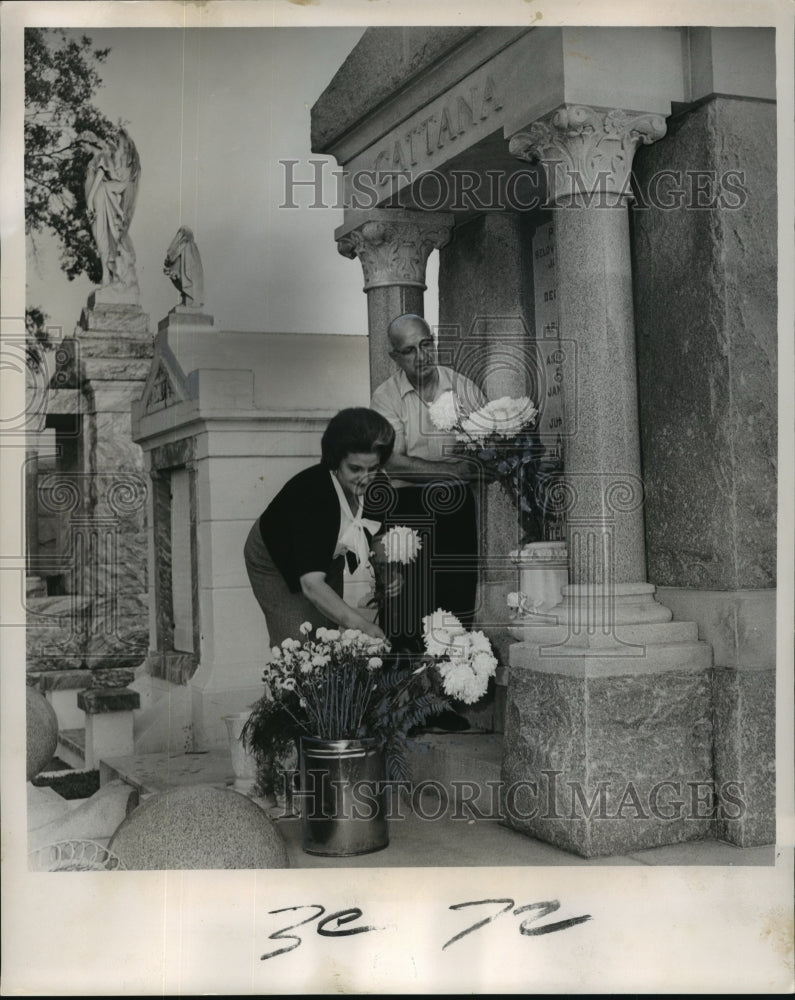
pixel 393 246
pixel 608 710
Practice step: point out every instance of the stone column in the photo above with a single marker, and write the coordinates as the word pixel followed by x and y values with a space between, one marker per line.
pixel 393 246
pixel 609 710
pixel 587 156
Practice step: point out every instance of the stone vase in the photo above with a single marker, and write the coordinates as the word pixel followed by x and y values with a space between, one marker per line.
pixel 343 792
pixel 543 572
pixel 244 763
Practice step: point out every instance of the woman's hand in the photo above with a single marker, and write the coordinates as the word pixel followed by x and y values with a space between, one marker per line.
pixel 371 629
pixel 328 601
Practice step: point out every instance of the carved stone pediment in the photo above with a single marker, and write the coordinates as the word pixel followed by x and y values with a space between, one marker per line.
pixel 163 387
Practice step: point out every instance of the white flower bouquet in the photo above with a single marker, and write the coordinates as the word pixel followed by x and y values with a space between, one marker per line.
pixel 503 436
pixel 463 659
pixel 346 685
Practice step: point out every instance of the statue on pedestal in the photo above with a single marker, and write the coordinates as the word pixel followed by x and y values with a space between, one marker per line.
pixel 111 188
pixel 183 265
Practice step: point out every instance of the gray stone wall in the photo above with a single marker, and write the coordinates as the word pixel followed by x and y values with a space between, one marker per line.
pixel 705 307
pixel 485 314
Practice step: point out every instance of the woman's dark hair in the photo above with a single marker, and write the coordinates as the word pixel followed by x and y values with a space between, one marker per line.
pixel 356 430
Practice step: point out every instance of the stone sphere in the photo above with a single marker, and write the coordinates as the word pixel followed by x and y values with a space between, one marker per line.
pixel 198 827
pixel 42 732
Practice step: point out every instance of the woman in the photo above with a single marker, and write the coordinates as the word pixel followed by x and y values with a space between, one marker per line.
pixel 298 550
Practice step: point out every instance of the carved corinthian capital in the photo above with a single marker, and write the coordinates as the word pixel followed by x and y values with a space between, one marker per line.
pixel 587 152
pixel 394 245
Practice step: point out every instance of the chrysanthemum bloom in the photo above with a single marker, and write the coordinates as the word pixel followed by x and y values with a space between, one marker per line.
pixel 401 544
pixel 444 411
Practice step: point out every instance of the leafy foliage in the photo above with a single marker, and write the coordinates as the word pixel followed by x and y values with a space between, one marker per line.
pixel 527 471
pixel 270 734
pixel 405 698
pixel 61 78
pixel 405 694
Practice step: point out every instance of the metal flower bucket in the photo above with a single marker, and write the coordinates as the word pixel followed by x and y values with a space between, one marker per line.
pixel 343 795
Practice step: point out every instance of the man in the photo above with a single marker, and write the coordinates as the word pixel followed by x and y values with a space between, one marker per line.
pixel 433 481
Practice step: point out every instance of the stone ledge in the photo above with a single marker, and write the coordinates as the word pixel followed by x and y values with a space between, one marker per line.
pixel 740 625
pixel 181 319
pixel 112 677
pixel 101 700
pixel 388 57
pixel 65 680
pixel 605 661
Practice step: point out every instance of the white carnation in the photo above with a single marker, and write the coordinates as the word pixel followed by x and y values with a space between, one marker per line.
pixel 444 411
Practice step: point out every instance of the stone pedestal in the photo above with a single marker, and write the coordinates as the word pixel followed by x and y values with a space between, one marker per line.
pixel 94 500
pixel 187 320
pixel 111 350
pixel 609 716
pixel 109 722
pixel 601 760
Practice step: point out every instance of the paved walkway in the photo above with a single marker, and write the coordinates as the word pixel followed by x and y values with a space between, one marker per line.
pixel 415 842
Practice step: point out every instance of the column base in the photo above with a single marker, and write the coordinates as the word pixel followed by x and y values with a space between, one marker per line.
pixel 608 728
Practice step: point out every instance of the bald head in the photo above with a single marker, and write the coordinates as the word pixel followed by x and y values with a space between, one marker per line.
pixel 401 325
pixel 412 349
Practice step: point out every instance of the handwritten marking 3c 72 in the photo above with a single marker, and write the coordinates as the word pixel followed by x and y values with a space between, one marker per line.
pixel 351 914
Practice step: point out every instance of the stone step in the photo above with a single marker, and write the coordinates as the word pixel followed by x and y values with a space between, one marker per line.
pixel 72 747
pixel 452 773
pixel 463 768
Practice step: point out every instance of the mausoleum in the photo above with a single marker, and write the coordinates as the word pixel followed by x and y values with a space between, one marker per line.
pixel 607 197
pixel 603 206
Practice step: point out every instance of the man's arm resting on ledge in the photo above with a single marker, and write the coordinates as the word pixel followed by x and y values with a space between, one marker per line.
pixel 420 469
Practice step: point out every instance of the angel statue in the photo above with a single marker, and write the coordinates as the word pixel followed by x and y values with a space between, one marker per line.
pixel 183 265
pixel 111 188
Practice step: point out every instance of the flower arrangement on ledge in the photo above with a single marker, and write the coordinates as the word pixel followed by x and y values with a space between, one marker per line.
pixel 346 685
pixel 503 436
